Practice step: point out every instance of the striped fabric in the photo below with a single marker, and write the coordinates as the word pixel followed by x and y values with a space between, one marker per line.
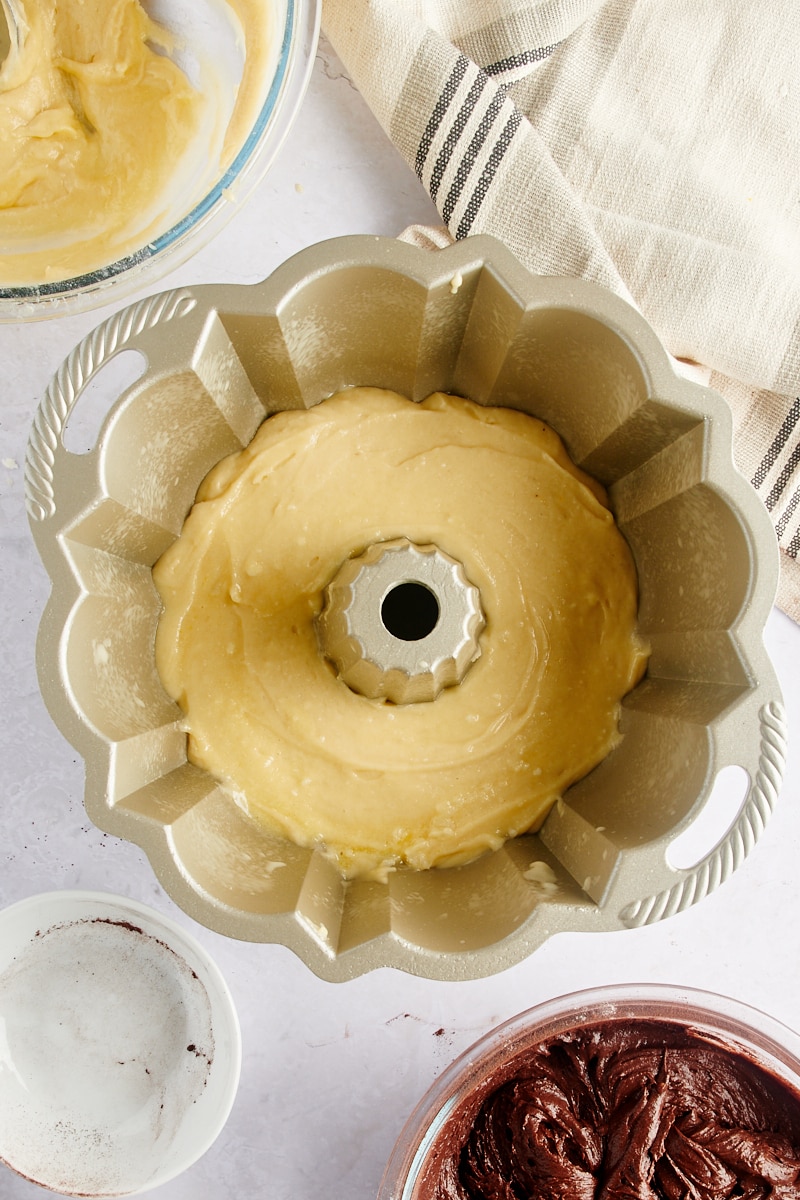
pixel 469 131
pixel 767 445
pixel 649 145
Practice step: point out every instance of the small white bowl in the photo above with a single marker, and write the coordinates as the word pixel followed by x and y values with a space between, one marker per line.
pixel 120 1048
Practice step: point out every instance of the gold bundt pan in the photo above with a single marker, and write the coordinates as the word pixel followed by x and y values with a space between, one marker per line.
pixel 470 320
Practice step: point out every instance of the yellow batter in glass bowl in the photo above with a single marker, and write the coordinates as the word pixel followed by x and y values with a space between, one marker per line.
pixel 128 131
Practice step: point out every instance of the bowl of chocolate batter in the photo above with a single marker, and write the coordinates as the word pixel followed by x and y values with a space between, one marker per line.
pixel 406 608
pixel 629 1090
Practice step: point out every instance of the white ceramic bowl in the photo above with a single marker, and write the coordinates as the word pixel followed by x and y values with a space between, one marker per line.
pixel 120 1048
pixel 205 32
pixel 443 1118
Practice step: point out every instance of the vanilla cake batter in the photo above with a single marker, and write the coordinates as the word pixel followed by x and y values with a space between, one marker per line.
pixel 376 785
pixel 104 141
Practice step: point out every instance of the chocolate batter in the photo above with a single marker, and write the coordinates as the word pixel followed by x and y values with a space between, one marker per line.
pixel 625 1111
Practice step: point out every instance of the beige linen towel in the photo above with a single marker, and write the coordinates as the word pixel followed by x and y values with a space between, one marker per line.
pixel 650 145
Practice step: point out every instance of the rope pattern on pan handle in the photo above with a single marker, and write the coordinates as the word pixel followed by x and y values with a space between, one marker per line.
pixel 71 378
pixel 720 864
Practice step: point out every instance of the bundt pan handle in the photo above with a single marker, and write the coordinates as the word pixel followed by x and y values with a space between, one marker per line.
pixel 51 469
pixel 470 320
pixel 652 887
pixel 765 778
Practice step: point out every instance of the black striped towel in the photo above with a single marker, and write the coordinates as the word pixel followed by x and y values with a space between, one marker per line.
pixel 650 145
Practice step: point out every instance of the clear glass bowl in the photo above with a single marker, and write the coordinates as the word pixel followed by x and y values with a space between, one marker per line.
pixel 297 23
pixel 457 1094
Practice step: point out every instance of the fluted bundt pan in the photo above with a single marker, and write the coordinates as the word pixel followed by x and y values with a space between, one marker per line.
pixel 469 320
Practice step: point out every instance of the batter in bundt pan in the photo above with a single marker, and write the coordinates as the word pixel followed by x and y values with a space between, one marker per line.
pixel 320 539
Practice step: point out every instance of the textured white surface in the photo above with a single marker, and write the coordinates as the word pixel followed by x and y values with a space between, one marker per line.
pixel 331 1071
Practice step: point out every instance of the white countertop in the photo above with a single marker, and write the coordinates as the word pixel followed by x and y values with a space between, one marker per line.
pixel 332 1070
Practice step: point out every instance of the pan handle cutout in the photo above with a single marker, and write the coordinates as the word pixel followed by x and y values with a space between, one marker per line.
pixel 98 396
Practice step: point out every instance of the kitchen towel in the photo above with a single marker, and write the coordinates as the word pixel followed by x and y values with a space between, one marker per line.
pixel 652 146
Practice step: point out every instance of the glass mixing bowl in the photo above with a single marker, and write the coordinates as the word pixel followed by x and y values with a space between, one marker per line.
pixel 203 31
pixel 445 1114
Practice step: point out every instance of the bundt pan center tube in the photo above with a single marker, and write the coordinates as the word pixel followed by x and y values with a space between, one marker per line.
pixel 401 621
pixel 468 320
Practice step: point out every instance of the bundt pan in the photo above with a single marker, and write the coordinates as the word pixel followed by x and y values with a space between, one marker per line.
pixel 470 320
